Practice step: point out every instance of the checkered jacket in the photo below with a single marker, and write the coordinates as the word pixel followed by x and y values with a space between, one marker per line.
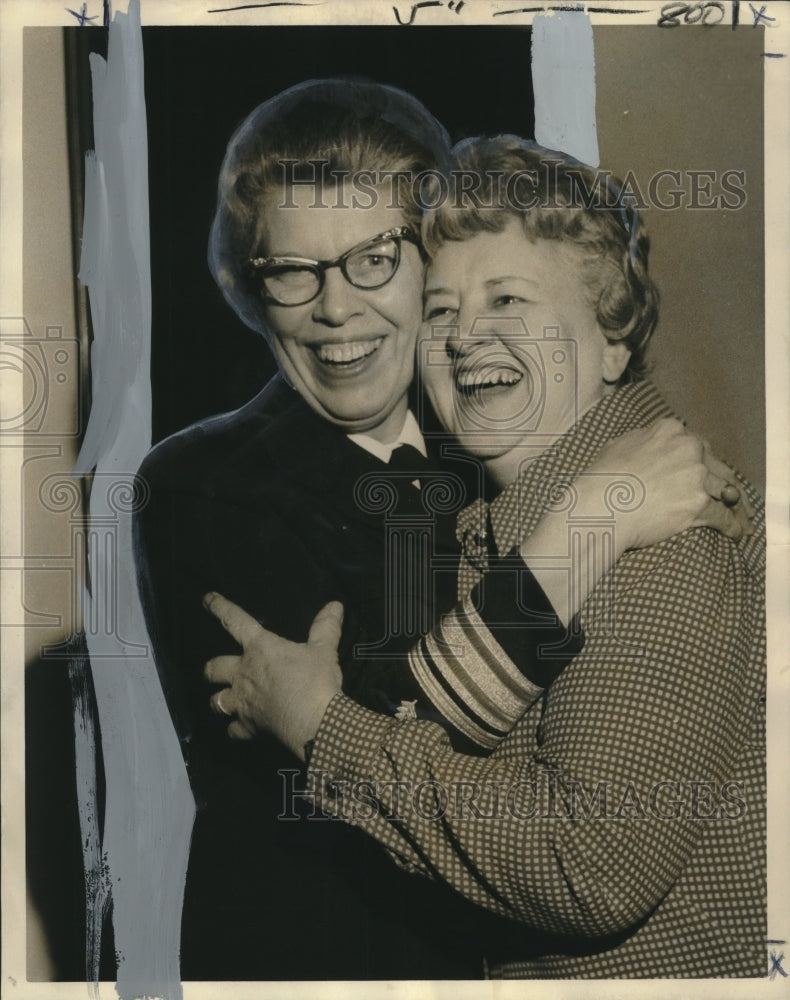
pixel 622 820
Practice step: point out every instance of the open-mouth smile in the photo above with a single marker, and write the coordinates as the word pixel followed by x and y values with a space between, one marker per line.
pixel 479 378
pixel 345 355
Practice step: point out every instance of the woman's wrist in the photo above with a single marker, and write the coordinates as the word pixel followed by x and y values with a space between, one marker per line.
pixel 307 726
pixel 562 568
pixel 592 505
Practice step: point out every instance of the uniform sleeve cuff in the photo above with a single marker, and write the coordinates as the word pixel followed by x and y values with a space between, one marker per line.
pixel 514 608
pixel 489 660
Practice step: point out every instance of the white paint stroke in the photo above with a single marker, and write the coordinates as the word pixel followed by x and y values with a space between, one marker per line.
pixel 149 810
pixel 563 82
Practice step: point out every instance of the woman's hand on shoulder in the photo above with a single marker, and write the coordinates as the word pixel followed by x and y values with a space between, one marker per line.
pixel 669 481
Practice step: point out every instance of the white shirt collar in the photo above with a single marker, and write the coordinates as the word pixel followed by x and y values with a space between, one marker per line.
pixel 410 434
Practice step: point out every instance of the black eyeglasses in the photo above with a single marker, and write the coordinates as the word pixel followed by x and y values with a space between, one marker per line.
pixel 295 281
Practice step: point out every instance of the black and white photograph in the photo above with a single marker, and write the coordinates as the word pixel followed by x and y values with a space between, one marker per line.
pixel 395 476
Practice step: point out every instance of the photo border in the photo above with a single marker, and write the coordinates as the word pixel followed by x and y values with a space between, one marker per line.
pixel 17 14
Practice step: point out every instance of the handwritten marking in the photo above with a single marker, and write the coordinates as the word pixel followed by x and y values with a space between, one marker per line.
pixel 736 10
pixel 692 13
pixel 759 15
pixel 774 55
pixel 414 8
pixel 776 962
pixel 518 10
pixel 254 6
pixel 578 7
pixel 82 17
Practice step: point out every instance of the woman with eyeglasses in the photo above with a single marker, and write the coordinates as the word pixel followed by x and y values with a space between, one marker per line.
pixel 324 488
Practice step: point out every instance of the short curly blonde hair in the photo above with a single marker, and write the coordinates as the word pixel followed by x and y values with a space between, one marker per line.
pixel 557 198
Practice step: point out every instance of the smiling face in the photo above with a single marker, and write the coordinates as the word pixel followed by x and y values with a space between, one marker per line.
pixel 349 352
pixel 510 352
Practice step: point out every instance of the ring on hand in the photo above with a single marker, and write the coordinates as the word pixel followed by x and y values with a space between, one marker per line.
pixel 218 703
pixel 730 495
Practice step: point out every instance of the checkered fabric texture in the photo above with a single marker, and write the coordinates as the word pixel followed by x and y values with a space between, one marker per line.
pixel 622 820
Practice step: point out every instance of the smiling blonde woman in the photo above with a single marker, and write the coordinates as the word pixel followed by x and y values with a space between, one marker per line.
pixel 621 820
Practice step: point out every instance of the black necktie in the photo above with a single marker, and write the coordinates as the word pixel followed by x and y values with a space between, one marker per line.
pixel 406 458
pixel 408 465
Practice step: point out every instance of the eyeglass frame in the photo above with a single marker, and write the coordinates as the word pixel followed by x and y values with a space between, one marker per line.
pixel 398 233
